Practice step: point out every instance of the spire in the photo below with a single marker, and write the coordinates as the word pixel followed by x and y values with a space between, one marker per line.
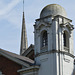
pixel 23 5
pixel 24 43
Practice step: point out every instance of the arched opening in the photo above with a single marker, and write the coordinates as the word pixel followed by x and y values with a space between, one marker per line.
pixel 44 39
pixel 66 40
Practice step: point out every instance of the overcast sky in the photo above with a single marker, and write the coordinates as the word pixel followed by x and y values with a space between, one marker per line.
pixel 11 20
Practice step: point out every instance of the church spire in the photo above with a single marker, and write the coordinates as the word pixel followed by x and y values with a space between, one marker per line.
pixel 24 43
pixel 23 5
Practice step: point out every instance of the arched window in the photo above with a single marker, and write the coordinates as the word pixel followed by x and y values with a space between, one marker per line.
pixel 66 40
pixel 44 39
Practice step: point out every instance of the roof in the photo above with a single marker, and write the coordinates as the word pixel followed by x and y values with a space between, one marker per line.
pixel 32 68
pixel 53 9
pixel 30 48
pixel 22 60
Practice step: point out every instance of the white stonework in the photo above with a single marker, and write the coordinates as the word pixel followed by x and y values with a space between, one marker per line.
pixel 55 58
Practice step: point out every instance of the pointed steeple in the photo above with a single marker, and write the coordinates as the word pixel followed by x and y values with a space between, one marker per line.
pixel 24 43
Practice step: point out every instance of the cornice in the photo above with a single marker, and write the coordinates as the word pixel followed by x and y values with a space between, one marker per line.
pixel 55 51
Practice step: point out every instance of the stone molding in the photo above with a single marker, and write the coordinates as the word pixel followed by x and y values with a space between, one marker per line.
pixel 55 51
pixel 29 71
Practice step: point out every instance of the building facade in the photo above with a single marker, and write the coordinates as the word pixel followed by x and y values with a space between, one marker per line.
pixel 54 41
pixel 52 52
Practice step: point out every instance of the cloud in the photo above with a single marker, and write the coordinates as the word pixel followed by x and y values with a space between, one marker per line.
pixel 9 13
pixel 14 18
pixel 8 7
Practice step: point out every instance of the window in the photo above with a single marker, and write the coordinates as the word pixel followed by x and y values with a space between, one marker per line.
pixel 66 41
pixel 44 39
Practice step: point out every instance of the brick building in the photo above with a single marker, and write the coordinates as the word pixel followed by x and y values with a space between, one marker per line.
pixel 10 63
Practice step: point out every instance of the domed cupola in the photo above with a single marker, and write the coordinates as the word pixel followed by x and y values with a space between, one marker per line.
pixel 53 9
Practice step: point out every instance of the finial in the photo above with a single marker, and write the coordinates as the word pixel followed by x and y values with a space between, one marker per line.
pixel 23 5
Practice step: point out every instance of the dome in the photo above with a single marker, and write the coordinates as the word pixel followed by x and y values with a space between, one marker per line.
pixel 53 9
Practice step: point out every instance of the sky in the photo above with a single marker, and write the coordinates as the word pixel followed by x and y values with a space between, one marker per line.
pixel 11 20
